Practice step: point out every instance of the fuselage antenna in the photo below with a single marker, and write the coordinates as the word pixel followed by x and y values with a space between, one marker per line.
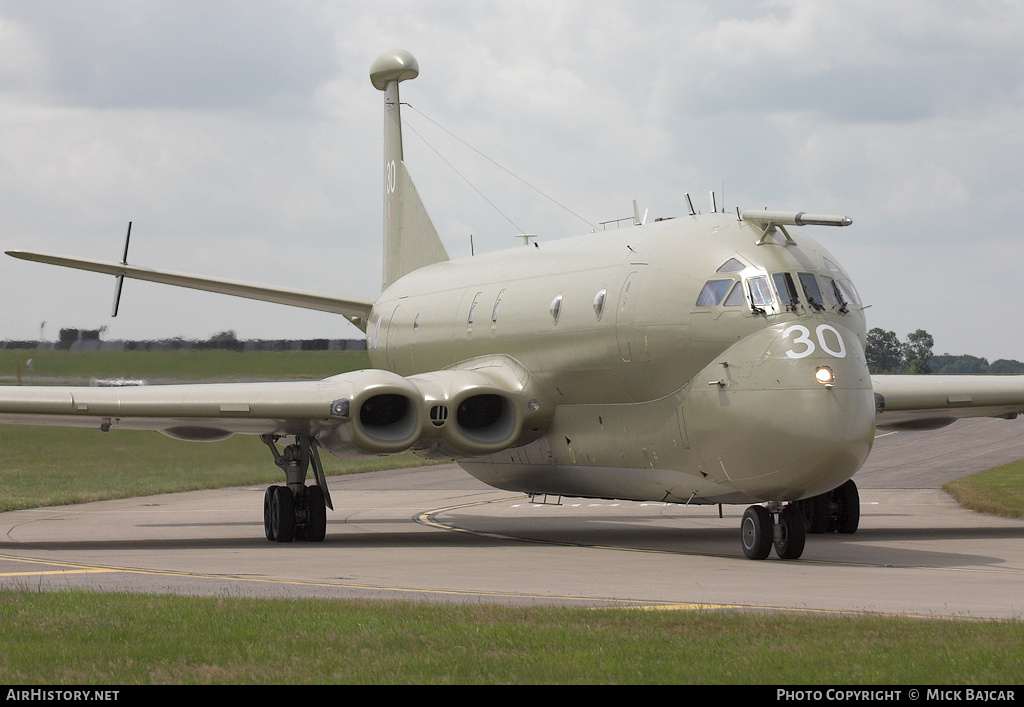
pixel 119 281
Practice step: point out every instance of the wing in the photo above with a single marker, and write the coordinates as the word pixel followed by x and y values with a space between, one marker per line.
pixel 356 310
pixel 928 402
pixel 367 412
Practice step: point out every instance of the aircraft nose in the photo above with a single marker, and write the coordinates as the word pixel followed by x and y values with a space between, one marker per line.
pixel 785 413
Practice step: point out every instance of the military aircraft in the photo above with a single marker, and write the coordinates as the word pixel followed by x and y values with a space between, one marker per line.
pixel 711 358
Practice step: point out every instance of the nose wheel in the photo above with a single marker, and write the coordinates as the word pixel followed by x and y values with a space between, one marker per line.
pixel 756 532
pixel 762 528
pixel 786 529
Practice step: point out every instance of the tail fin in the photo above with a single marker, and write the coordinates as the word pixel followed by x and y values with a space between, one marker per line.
pixel 410 240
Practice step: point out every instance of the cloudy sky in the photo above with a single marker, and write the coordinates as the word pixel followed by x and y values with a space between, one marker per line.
pixel 243 139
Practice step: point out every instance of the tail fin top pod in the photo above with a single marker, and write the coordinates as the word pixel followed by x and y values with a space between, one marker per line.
pixel 410 240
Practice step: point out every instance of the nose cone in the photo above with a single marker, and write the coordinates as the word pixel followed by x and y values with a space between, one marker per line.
pixel 786 413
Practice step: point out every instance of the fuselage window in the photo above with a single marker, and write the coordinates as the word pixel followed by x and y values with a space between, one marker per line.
pixel 731 265
pixel 812 292
pixel 556 308
pixel 736 297
pixel 416 323
pixel 787 290
pixel 472 313
pixel 599 299
pixel 713 292
pixel 760 292
pixel 830 265
pixel 494 312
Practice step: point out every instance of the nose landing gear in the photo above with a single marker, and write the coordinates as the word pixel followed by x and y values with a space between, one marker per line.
pixel 786 528
pixel 782 528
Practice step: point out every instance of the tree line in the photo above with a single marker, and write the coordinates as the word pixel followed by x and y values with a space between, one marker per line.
pixel 887 354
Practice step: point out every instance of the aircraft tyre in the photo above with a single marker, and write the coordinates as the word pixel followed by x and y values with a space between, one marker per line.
pixel 282 514
pixel 268 524
pixel 792 535
pixel 815 512
pixel 316 515
pixel 847 499
pixel 756 533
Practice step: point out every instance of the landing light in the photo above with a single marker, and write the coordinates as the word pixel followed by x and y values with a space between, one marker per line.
pixel 825 376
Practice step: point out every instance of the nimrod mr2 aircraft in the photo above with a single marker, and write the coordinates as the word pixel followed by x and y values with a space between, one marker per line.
pixel 710 358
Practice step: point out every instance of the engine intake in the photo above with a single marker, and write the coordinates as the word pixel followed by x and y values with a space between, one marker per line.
pixel 452 413
pixel 486 418
pixel 381 410
pixel 470 414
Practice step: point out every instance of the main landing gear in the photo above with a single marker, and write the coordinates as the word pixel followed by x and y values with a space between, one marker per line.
pixel 786 528
pixel 837 511
pixel 296 511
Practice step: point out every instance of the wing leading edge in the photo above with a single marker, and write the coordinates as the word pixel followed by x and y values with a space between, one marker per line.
pixel 928 402
pixel 368 412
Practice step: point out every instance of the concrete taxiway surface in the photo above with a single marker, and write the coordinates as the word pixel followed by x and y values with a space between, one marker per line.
pixel 436 534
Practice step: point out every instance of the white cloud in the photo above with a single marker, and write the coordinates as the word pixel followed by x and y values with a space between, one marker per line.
pixel 244 140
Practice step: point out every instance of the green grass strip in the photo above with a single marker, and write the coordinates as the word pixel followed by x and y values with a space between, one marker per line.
pixel 998 491
pixel 214 364
pixel 45 466
pixel 78 637
pixel 52 466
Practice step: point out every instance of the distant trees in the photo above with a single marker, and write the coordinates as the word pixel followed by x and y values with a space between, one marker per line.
pixel 884 351
pixel 886 354
pixel 917 352
pixel 1006 365
pixel 947 364
pixel 222 340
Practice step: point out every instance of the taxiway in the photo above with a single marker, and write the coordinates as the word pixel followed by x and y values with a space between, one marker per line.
pixel 436 534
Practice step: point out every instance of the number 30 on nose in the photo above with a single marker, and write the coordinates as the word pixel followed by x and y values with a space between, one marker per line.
pixel 823 333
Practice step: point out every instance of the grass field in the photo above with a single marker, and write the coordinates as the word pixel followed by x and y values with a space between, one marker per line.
pixel 210 365
pixel 57 466
pixel 75 638
pixel 47 466
pixel 89 638
pixel 998 491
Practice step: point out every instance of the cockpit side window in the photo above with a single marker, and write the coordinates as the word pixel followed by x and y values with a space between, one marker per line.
pixel 713 292
pixel 831 291
pixel 787 289
pixel 736 296
pixel 835 293
pixel 760 291
pixel 812 292
pixel 850 290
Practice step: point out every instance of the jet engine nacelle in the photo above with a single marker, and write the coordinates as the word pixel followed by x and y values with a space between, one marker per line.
pixel 468 413
pixel 452 413
pixel 374 412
